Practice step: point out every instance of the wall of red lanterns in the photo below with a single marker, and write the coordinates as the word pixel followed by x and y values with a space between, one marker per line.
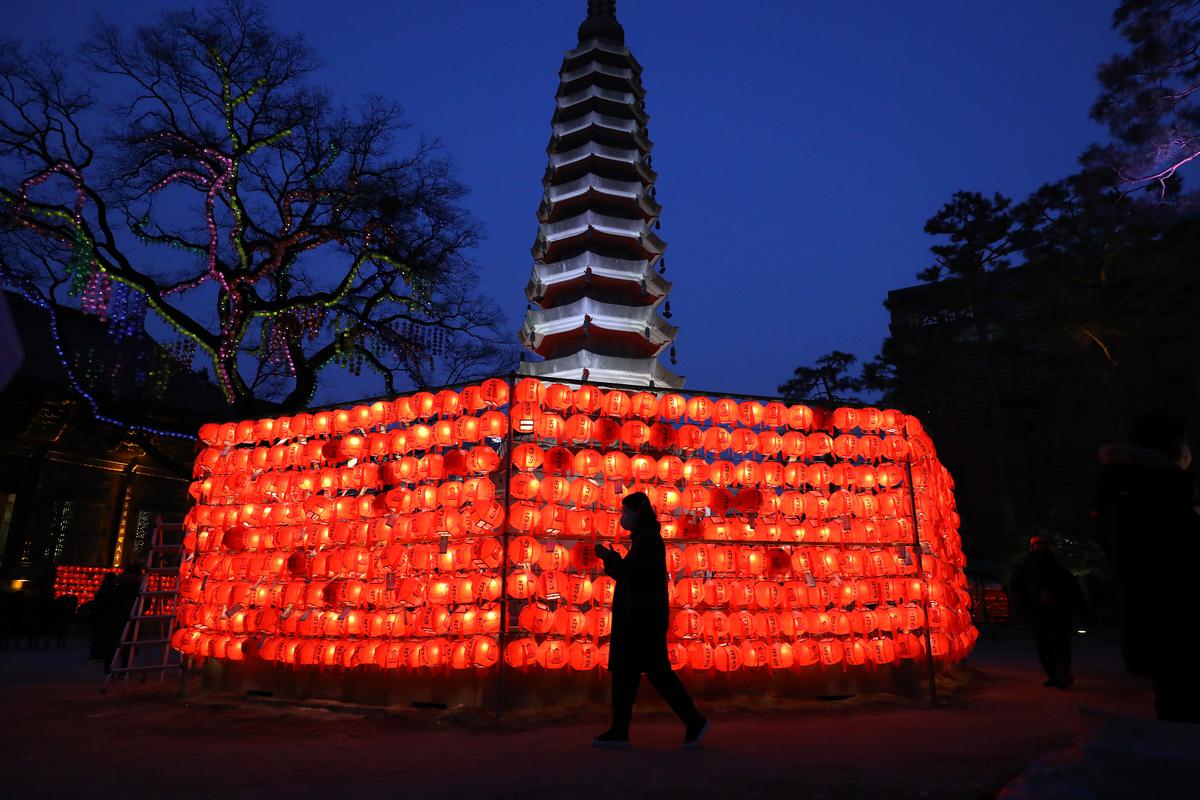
pixel 80 581
pixel 83 582
pixel 454 530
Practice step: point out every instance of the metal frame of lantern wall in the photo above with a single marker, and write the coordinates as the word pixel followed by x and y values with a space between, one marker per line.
pixel 496 681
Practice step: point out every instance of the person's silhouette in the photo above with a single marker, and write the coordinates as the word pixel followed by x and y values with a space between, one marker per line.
pixel 639 626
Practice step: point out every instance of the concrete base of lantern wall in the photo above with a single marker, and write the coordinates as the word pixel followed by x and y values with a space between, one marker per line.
pixel 533 689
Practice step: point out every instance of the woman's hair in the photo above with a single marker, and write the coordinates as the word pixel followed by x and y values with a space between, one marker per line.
pixel 638 501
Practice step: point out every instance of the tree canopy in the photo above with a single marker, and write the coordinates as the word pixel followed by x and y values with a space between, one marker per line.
pixel 224 194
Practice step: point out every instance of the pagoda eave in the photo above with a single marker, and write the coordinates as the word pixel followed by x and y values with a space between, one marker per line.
pixel 589 46
pixel 643 245
pixel 610 133
pixel 598 69
pixel 557 206
pixel 611 316
pixel 606 369
pixel 599 340
pixel 561 274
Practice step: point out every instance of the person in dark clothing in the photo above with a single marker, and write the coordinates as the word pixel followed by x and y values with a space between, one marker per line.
pixel 638 642
pixel 99 610
pixel 1048 596
pixel 1147 523
pixel 110 612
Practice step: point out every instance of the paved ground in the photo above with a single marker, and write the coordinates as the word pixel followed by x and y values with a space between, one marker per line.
pixel 61 738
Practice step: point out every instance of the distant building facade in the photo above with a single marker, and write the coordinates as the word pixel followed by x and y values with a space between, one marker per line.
pixel 75 490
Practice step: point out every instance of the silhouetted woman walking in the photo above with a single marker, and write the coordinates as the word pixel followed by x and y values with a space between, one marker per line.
pixel 639 626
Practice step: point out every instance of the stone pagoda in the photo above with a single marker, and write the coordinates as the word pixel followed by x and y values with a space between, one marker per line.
pixel 597 290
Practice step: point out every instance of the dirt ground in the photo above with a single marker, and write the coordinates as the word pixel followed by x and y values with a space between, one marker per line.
pixel 61 738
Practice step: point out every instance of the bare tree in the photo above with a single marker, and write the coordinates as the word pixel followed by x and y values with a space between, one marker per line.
pixel 233 200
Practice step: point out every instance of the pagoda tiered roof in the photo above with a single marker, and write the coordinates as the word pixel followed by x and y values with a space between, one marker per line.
pixel 596 290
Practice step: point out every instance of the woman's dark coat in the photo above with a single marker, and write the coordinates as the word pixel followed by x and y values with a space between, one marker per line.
pixel 1147 523
pixel 640 610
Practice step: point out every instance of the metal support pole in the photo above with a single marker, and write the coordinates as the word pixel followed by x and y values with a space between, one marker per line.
pixel 912 496
pixel 507 467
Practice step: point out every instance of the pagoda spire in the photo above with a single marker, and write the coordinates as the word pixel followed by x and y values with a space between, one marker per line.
pixel 601 22
pixel 597 290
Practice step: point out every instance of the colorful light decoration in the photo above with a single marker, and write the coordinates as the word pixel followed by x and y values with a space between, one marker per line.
pixel 83 582
pixel 121 297
pixel 380 535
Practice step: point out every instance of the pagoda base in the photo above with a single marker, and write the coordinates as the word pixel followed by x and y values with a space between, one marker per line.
pixel 604 369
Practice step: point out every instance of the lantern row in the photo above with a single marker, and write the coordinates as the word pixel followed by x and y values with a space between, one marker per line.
pixel 83 582
pixel 535 399
pixel 552 653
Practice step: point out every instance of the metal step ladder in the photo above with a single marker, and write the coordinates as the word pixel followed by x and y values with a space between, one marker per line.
pixel 145 645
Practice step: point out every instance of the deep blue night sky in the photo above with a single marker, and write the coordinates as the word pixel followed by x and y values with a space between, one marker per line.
pixel 800 144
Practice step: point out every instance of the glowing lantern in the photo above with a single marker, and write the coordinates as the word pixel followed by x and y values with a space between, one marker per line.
pixel 643 468
pixel 587 463
pixel 744 441
pixel 800 417
pixel 689 592
pixel 725 411
pixel 550 426
pixel 495 392
pixel 552 653
pixel 493 424
pixel 908 646
pixel 699 409
pixel 686 624
pixel 717 440
pixel 553 520
pixel 579 428
pixel 700 655
pixel 584 493
pixel 555 489
pixel 569 622
pixel 536 618
pixel 616 466
pixel 603 589
pixel 558 461
pixel 588 399
pixel 635 433
pixel 524 550
pixel 617 404
pixel 599 622
pixel 830 651
pixel 559 397
pixel 727 658
pixel 583 655
pixel 669 469
pixel 671 407
pixel 579 589
pixel 525 417
pixel 794 444
pixel 527 457
pixel 521 584
pixel 520 653
pixel 529 390
pixel 606 523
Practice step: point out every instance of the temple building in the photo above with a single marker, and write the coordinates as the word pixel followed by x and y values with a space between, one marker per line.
pixel 597 294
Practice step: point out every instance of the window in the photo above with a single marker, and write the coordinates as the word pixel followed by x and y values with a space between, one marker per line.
pixel 141 533
pixel 62 519
pixel 8 502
